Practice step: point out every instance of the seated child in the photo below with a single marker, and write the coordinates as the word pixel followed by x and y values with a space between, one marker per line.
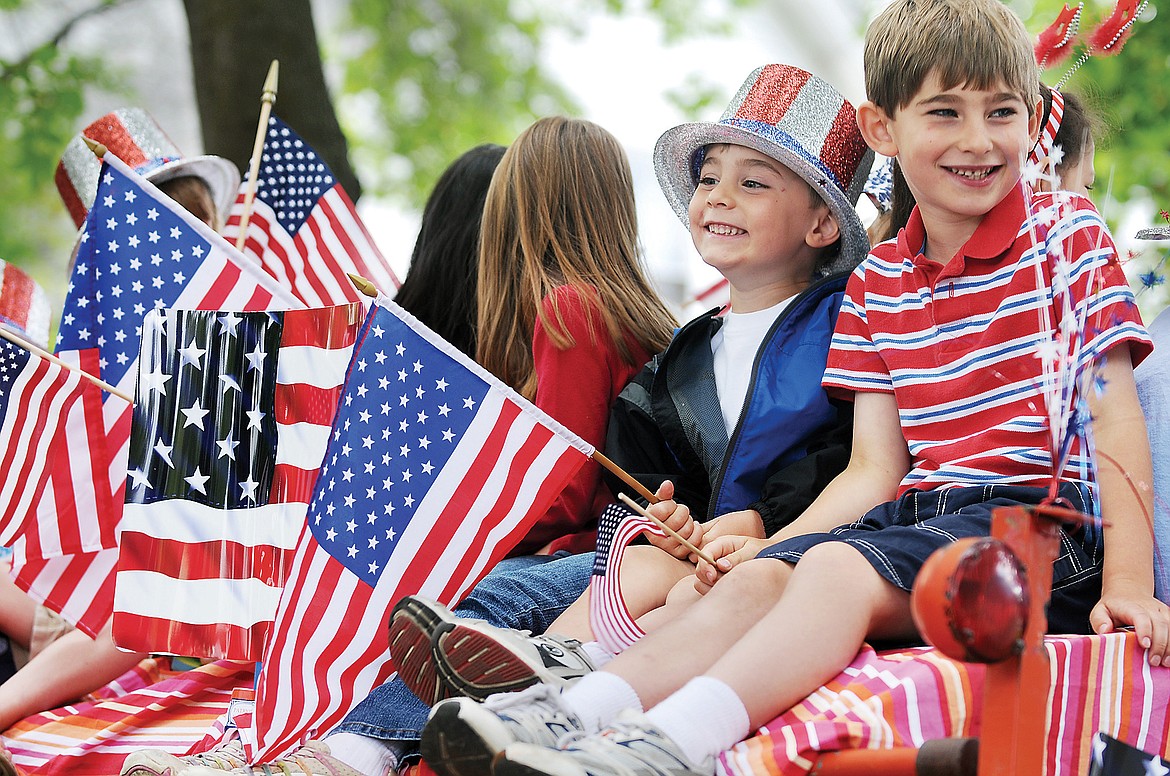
pixel 937 343
pixel 731 418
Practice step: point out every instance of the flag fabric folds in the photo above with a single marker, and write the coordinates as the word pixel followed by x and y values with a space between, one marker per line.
pixel 231 419
pixel 34 394
pixel 303 227
pixel 80 587
pixel 609 618
pixel 138 250
pixel 434 471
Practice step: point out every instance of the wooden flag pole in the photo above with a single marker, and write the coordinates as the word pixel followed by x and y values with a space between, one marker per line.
pixel 267 97
pixel 22 343
pixel 625 477
pixel 634 505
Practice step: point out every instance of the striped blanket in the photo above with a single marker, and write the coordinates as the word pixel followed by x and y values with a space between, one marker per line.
pixel 889 699
pixel 152 705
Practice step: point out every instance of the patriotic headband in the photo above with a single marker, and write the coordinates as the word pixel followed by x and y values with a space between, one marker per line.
pixel 1046 144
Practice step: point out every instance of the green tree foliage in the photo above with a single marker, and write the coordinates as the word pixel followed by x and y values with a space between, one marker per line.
pixel 41 101
pixel 424 81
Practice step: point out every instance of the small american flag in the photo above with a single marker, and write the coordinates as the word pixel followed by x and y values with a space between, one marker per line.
pixel 80 586
pixel 231 421
pixel 34 394
pixel 609 618
pixel 138 251
pixel 434 471
pixel 303 227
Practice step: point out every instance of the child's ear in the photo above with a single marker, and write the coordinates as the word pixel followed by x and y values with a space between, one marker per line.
pixel 1034 121
pixel 875 128
pixel 824 231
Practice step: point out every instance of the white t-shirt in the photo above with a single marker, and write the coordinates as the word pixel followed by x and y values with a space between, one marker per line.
pixel 734 349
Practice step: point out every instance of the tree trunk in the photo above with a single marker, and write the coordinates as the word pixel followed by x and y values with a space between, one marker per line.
pixel 232 44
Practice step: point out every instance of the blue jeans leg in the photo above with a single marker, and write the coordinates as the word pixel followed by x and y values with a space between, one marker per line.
pixel 518 593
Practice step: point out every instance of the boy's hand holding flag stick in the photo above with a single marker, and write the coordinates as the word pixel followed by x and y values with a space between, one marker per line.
pixel 669 531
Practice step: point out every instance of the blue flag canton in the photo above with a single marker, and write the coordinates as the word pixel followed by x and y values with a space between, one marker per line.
pixel 13 360
pixel 405 408
pixel 292 176
pixel 135 255
pixel 607 525
pixel 204 425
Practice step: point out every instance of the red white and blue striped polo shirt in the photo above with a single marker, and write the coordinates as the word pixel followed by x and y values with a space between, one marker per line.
pixel 959 344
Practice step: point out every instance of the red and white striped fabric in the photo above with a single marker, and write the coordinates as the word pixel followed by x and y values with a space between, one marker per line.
pixel 139 250
pixel 609 618
pixel 303 227
pixel 24 305
pixel 213 515
pixel 435 470
pixel 80 587
pixel 34 394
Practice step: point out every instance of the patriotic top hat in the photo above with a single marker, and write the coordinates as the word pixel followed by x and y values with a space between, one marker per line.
pixel 133 136
pixel 795 118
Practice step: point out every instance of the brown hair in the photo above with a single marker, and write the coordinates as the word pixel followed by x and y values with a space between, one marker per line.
pixel 980 43
pixel 560 211
pixel 194 195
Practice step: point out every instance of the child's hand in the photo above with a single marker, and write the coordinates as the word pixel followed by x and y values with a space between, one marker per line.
pixel 746 522
pixel 678 517
pixel 1150 618
pixel 727 552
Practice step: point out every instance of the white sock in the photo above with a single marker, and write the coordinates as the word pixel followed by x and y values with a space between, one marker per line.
pixel 371 756
pixel 599 697
pixel 703 718
pixel 597 654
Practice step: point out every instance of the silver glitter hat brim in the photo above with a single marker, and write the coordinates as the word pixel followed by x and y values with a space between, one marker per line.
pixel 674 154
pixel 221 176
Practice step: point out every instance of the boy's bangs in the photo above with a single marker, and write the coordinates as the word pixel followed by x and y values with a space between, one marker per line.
pixel 996 69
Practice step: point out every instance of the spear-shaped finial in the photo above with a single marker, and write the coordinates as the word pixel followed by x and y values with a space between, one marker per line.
pixel 363 284
pixel 98 149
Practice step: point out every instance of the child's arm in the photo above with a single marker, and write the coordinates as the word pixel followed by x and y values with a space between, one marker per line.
pixel 1126 477
pixel 877 464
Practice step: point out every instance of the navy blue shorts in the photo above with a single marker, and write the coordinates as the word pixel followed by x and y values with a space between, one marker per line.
pixel 897 538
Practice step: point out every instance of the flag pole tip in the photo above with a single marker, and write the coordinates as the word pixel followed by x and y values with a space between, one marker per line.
pixel 363 285
pixel 98 149
pixel 272 79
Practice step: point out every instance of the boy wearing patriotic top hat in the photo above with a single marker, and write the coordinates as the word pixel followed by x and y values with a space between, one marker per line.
pixel 940 344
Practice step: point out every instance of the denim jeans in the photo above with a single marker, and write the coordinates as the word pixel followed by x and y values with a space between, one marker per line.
pixel 527 593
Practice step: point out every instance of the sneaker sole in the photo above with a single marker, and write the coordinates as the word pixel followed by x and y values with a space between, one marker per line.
pixel 477 665
pixel 412 625
pixel 452 747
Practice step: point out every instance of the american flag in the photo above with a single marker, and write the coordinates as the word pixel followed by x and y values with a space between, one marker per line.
pixel 1112 757
pixel 610 620
pixel 80 586
pixel 34 394
pixel 231 421
pixel 434 471
pixel 303 227
pixel 138 250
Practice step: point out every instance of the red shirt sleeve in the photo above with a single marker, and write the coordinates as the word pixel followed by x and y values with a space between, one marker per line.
pixel 577 387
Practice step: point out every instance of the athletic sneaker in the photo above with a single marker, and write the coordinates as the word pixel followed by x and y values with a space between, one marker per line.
pixel 631 746
pixel 462 736
pixel 413 623
pixel 479 660
pixel 312 759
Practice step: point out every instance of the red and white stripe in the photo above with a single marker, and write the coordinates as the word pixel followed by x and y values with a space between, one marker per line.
pixel 316 261
pixel 39 396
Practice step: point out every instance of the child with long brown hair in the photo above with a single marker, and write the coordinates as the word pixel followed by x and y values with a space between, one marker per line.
pixel 566 313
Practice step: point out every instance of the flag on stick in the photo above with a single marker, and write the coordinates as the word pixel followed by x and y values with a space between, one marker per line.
pixel 609 618
pixel 231 421
pixel 34 395
pixel 302 226
pixel 434 471
pixel 138 250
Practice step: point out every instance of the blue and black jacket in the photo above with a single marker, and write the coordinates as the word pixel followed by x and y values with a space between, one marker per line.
pixel 791 438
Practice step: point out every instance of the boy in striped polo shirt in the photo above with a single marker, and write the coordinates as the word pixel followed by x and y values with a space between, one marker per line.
pixel 942 343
